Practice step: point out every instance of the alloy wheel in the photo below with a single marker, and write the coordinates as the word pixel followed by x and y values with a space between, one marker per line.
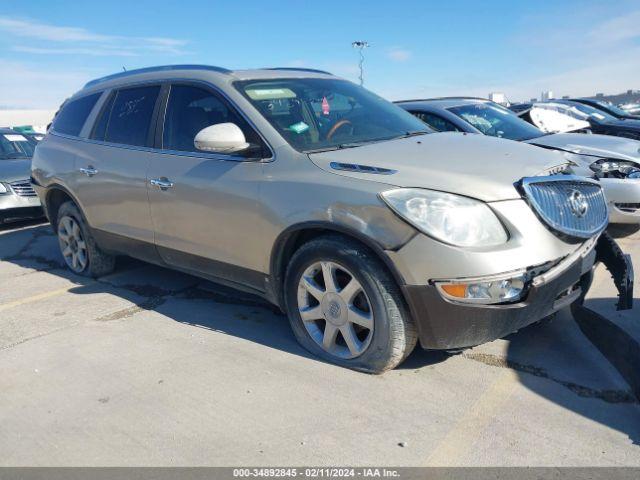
pixel 335 309
pixel 72 244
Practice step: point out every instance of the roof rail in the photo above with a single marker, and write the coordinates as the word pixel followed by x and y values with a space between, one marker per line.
pixel 162 68
pixel 293 69
pixel 441 98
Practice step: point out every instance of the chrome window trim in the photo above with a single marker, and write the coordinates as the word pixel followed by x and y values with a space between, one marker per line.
pixel 204 155
pixel 183 81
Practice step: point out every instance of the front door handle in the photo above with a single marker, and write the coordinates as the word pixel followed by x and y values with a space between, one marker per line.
pixel 89 171
pixel 162 183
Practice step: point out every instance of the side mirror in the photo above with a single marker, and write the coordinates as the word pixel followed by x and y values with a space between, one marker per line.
pixel 221 138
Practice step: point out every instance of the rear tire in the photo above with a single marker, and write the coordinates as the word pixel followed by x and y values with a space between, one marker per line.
pixel 380 345
pixel 77 245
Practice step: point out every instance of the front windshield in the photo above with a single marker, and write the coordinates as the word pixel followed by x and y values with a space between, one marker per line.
pixel 15 146
pixel 315 114
pixel 496 121
pixel 593 113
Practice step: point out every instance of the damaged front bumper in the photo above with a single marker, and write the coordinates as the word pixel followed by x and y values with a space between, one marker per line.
pixel 620 267
pixel 444 323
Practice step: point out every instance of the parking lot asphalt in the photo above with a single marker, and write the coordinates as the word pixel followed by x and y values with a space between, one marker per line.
pixel 146 367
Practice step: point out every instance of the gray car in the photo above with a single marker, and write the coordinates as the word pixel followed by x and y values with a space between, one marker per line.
pixel 614 161
pixel 18 199
pixel 341 208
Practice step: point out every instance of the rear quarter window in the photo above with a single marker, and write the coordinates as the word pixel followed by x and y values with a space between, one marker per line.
pixel 73 115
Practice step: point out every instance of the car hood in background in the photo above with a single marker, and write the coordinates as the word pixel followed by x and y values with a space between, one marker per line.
pixel 472 165
pixel 605 146
pixel 12 170
pixel 551 121
pixel 624 123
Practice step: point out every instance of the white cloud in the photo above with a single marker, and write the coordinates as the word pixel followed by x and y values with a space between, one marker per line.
pixel 31 86
pixel 41 31
pixel 397 54
pixel 617 29
pixel 94 52
pixel 93 43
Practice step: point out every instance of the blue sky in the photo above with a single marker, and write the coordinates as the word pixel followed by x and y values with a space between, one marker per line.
pixel 48 49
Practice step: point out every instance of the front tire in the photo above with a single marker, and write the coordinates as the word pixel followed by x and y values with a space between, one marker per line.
pixel 77 245
pixel 345 307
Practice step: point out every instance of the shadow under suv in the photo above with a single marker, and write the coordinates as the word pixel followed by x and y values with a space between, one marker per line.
pixel 343 209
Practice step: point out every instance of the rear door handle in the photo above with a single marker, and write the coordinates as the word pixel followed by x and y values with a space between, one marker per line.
pixel 162 183
pixel 89 171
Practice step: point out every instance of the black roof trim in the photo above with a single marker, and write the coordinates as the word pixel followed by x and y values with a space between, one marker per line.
pixel 294 69
pixel 162 68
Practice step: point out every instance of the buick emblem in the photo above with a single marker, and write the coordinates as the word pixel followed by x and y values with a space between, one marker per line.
pixel 578 203
pixel 334 309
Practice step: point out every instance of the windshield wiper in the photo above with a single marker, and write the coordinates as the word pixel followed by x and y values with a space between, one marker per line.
pixel 414 133
pixel 340 146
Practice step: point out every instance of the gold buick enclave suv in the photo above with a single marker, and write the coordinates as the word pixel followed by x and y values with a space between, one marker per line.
pixel 369 230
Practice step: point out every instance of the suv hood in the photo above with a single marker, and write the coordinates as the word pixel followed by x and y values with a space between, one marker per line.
pixel 605 146
pixel 476 166
pixel 13 170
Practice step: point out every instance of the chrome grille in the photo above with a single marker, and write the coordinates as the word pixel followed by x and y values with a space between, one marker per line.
pixel 23 188
pixel 569 205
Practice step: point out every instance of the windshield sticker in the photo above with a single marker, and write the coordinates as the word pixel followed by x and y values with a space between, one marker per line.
pixel 299 127
pixel 15 138
pixel 270 93
pixel 325 106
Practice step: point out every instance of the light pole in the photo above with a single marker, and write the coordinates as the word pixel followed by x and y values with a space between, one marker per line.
pixel 361 45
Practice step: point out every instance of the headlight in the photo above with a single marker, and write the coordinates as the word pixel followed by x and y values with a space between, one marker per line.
pixel 452 219
pixel 608 168
pixel 3 188
pixel 500 289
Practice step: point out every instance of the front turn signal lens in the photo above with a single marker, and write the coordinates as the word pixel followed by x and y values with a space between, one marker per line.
pixel 458 290
pixel 489 291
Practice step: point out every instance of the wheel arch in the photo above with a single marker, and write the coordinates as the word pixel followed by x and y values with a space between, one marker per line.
pixel 55 196
pixel 293 237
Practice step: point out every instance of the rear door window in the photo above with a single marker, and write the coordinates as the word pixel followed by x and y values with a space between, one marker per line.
pixel 73 115
pixel 130 118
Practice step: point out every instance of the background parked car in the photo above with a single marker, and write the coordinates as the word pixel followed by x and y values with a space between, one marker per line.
pixel 551 117
pixel 609 108
pixel 18 199
pixel 614 160
pixel 566 116
pixel 631 108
